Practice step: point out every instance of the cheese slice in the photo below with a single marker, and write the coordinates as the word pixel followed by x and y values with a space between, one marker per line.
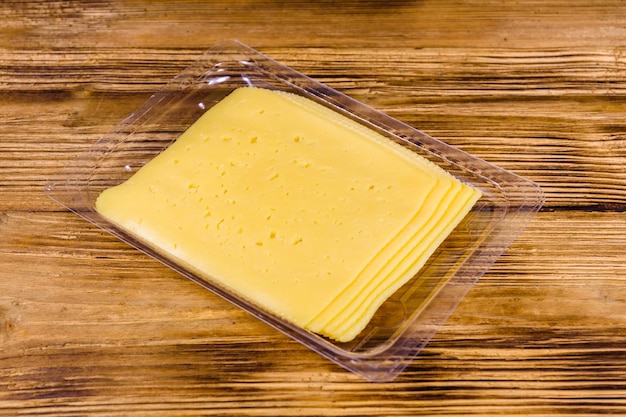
pixel 356 316
pixel 411 239
pixel 291 206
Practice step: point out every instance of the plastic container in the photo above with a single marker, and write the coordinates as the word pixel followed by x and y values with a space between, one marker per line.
pixel 405 323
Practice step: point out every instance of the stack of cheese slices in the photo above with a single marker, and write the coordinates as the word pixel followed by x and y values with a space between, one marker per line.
pixel 293 207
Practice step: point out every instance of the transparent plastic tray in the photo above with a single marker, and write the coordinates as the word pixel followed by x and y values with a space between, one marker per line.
pixel 407 320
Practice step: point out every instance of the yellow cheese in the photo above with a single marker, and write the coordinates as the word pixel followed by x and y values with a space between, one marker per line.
pixel 355 317
pixel 293 207
pixel 414 235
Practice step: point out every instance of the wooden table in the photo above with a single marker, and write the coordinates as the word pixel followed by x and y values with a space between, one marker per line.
pixel 89 326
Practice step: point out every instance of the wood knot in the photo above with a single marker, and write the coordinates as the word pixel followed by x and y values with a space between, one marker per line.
pixel 7 325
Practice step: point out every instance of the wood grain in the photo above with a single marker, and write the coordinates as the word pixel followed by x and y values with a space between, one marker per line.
pixel 577 155
pixel 88 320
pixel 89 326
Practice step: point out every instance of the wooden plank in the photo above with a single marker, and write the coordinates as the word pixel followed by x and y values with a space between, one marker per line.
pixel 445 23
pixel 564 130
pixel 91 326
